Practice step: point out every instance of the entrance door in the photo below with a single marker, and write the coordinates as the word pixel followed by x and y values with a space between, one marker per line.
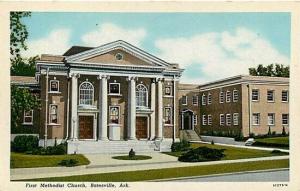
pixel 187 118
pixel 86 127
pixel 141 127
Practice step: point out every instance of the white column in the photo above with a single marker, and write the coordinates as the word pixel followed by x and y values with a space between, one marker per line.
pixel 74 114
pixel 174 109
pixel 131 109
pixel 152 116
pixel 160 110
pixel 103 108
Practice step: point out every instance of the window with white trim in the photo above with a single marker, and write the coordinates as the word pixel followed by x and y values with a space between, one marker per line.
pixel 141 96
pixel 203 99
pixel 255 118
pixel 271 118
pixel 195 120
pixel 255 95
pixel 114 88
pixel 285 96
pixel 114 114
pixel 54 86
pixel 168 90
pixel 184 100
pixel 228 96
pixel 86 93
pixel 235 119
pixel 209 120
pixel 168 115
pixel 270 96
pixel 28 117
pixel 285 119
pixel 221 97
pixel 235 95
pixel 53 119
pixel 209 98
pixel 204 121
pixel 195 100
pixel 222 119
pixel 228 119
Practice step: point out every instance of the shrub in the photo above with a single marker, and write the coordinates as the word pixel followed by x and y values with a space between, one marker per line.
pixel 269 131
pixel 131 153
pixel 68 162
pixel 56 150
pixel 276 151
pixel 212 142
pixel 283 131
pixel 23 143
pixel 180 146
pixel 202 154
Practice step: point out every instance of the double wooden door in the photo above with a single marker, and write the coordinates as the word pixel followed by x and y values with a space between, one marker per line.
pixel 86 127
pixel 141 127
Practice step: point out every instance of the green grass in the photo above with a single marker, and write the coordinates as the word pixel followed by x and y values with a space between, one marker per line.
pixel 143 175
pixel 279 142
pixel 20 160
pixel 136 157
pixel 233 153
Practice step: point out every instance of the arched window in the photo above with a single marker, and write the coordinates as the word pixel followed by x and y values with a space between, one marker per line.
pixel 141 96
pixel 86 93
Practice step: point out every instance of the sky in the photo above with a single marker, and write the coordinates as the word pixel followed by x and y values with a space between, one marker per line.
pixel 209 46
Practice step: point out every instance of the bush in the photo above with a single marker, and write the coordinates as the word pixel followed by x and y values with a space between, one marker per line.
pixel 212 142
pixel 283 131
pixel 23 143
pixel 276 151
pixel 180 146
pixel 68 162
pixel 56 150
pixel 131 153
pixel 202 154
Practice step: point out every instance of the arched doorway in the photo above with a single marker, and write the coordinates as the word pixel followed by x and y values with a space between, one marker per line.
pixel 187 119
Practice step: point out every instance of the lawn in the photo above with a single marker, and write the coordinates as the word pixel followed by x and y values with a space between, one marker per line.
pixel 278 142
pixel 20 160
pixel 233 153
pixel 143 175
pixel 136 157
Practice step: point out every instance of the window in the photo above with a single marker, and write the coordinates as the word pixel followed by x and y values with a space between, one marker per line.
pixel 114 88
pixel 209 98
pixel 271 118
pixel 221 97
pixel 195 120
pixel 54 86
pixel 114 114
pixel 28 117
pixel 222 119
pixel 255 95
pixel 168 90
pixel 168 115
pixel 270 95
pixel 204 120
pixel 228 96
pixel 235 95
pixel 209 120
pixel 228 119
pixel 86 93
pixel 53 114
pixel 235 119
pixel 184 100
pixel 141 96
pixel 195 100
pixel 285 119
pixel 255 119
pixel 119 56
pixel 203 99
pixel 284 96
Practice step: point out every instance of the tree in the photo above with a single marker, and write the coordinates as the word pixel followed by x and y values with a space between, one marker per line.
pixel 278 71
pixel 23 67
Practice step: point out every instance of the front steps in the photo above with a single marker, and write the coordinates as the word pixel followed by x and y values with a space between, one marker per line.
pixel 111 147
pixel 189 135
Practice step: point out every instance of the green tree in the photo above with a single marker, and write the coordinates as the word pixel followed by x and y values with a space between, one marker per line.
pixel 278 71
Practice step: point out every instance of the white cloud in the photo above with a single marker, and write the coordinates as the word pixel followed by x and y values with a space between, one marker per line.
pixel 219 55
pixel 57 42
pixel 108 32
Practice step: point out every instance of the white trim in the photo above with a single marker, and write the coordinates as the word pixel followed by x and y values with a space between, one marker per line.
pixel 171 90
pixel 222 123
pixel 203 99
pixel 285 119
pixel 258 119
pixel 113 83
pixel 109 107
pixel 258 95
pixel 235 117
pixel 171 116
pixel 228 119
pixel 94 115
pixel 186 101
pixel 287 91
pixel 28 123
pixel 209 98
pixel 196 98
pixel 235 96
pixel 228 96
pixel 50 122
pixel 273 96
pixel 147 94
pixel 204 120
pixel 223 97
pixel 50 91
pixel 93 94
pixel 272 119
pixel 209 119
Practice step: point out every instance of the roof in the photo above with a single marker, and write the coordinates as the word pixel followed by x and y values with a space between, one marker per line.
pixel 188 87
pixel 23 80
pixel 76 49
pixel 54 58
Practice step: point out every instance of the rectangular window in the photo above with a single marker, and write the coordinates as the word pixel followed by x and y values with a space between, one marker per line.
pixel 235 95
pixel 255 95
pixel 114 88
pixel 54 86
pixel 228 96
pixel 195 100
pixel 285 119
pixel 255 119
pixel 195 120
pixel 271 118
pixel 28 117
pixel 235 119
pixel 203 99
pixel 168 90
pixel 221 97
pixel 114 114
pixel 168 115
pixel 284 96
pixel 228 119
pixel 209 98
pixel 53 114
pixel 222 119
pixel 270 96
pixel 204 121
pixel 209 120
pixel 184 100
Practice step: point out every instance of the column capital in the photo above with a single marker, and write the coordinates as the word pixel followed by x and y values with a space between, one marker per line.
pixel 75 75
pixel 159 79
pixel 101 76
pixel 129 78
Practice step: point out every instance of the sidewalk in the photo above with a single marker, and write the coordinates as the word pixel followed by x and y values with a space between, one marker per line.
pixel 104 164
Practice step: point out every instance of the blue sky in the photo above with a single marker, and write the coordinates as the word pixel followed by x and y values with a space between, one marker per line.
pixel 206 45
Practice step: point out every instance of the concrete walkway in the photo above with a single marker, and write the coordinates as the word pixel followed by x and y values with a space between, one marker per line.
pixel 104 164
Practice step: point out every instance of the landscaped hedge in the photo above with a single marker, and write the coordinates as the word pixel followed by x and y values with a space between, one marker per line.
pixel 23 143
pixel 202 154
pixel 264 144
pixel 180 146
